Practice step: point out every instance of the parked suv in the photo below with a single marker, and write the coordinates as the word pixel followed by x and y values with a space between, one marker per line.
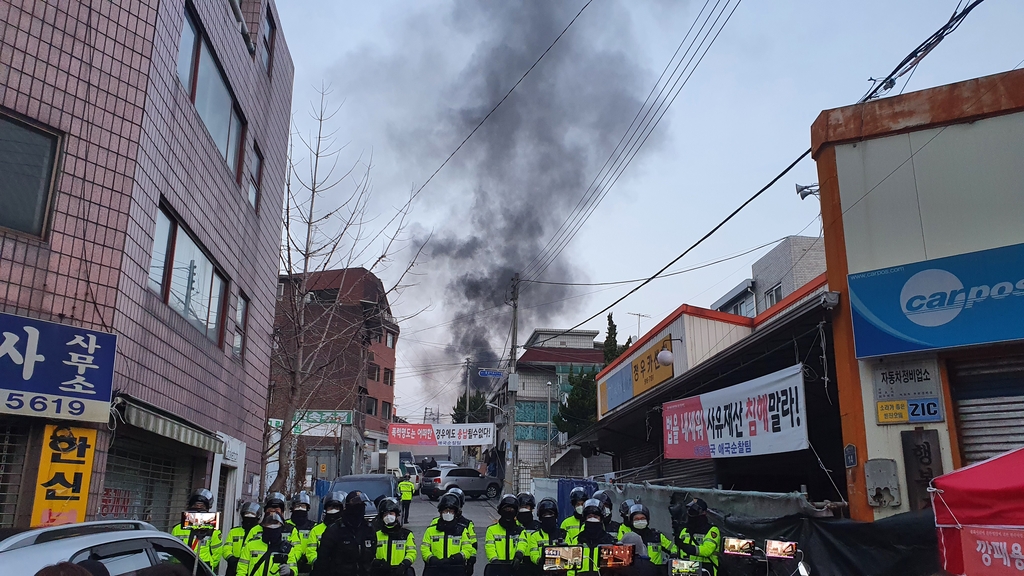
pixel 437 481
pixel 125 547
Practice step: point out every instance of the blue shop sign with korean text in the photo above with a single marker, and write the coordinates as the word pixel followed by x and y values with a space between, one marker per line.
pixel 55 370
pixel 975 298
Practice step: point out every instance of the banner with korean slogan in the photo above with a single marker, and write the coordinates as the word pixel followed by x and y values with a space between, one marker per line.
pixel 65 468
pixel 766 415
pixel 441 434
pixel 992 551
pixel 55 370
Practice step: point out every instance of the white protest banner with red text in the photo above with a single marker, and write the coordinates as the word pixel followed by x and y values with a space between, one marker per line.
pixel 766 415
pixel 441 434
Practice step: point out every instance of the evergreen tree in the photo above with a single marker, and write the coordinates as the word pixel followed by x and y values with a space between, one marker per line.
pixel 477 408
pixel 580 409
pixel 611 344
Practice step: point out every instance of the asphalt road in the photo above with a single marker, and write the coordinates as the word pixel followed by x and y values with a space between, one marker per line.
pixel 481 512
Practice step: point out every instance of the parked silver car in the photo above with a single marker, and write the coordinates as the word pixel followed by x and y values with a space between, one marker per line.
pixel 125 547
pixel 437 481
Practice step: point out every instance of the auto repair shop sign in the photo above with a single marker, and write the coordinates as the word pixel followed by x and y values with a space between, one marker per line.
pixel 766 415
pixel 975 298
pixel 55 370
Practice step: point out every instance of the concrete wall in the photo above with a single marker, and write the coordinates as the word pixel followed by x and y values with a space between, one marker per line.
pixel 793 262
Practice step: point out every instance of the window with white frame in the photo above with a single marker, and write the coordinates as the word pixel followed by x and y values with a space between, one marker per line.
pixel 773 296
pixel 385 410
pixel 241 323
pixel 391 340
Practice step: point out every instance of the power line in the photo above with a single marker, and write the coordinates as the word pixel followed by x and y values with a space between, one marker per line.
pixel 911 60
pixel 622 157
pixel 500 102
pixel 667 275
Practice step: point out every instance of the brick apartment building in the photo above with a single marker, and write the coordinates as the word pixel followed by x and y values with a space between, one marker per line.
pixel 142 165
pixel 350 342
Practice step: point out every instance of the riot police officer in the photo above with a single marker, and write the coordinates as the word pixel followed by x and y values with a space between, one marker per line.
pixel 610 525
pixel 239 535
pixel 659 547
pixel 574 523
pixel 699 540
pixel 205 542
pixel 348 546
pixel 271 554
pixel 396 545
pixel 334 504
pixel 547 533
pixel 502 538
pixel 446 543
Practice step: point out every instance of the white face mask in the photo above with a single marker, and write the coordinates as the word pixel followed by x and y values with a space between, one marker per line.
pixel 448 516
pixel 389 519
pixel 639 524
pixel 593 519
pixel 525 510
pixel 579 509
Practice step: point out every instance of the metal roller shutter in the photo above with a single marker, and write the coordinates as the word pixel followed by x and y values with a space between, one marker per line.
pixel 143 483
pixel 13 445
pixel 689 473
pixel 989 398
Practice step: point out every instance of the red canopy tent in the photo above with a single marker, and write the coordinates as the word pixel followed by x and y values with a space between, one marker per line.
pixel 979 514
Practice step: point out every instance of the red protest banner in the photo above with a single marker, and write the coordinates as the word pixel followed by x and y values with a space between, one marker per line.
pixel 685 435
pixel 992 551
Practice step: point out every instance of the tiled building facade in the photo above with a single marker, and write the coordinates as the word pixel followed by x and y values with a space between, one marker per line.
pixel 160 224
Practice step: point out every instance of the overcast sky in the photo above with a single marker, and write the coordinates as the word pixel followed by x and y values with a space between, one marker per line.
pixel 415 77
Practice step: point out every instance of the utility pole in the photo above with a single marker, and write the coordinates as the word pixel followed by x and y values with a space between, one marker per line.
pixel 638 317
pixel 513 384
pixel 467 390
pixel 547 460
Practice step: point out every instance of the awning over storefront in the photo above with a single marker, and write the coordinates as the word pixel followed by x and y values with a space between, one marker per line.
pixel 138 414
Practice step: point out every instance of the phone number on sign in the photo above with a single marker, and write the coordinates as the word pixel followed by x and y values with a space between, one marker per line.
pixel 42 404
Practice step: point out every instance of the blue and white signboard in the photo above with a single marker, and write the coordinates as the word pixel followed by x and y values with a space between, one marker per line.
pixel 55 370
pixel 975 298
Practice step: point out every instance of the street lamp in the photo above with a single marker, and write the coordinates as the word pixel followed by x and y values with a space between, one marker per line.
pixel 511 431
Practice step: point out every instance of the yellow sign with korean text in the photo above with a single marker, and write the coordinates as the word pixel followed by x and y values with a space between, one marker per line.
pixel 65 468
pixel 892 412
pixel 647 372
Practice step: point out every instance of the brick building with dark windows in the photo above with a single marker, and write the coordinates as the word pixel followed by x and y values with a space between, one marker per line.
pixel 142 166
pixel 347 390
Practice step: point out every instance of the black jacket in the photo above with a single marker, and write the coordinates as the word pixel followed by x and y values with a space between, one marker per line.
pixel 345 550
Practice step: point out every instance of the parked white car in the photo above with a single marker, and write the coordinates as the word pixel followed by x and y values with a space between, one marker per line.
pixel 125 547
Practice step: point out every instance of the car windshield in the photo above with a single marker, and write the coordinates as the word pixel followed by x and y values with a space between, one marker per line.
pixel 372 488
pixel 433 473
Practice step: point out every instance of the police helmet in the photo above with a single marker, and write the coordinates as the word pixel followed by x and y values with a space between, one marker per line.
pixel 696 508
pixel 458 494
pixel 591 507
pixel 335 500
pixel 251 510
pixel 547 507
pixel 389 505
pixel 578 494
pixel 526 500
pixel 508 501
pixel 625 506
pixel 449 502
pixel 606 502
pixel 274 500
pixel 639 509
pixel 201 496
pixel 301 499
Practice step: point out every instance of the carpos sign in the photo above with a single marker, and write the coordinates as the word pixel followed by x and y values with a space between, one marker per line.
pixel 942 303
pixel 766 415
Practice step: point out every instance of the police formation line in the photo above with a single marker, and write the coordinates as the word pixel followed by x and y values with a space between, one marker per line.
pixel 345 543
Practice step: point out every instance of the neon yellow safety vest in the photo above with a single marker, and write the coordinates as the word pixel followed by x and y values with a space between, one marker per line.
pixel 209 549
pixel 249 563
pixel 396 546
pixel 709 545
pixel 406 488
pixel 572 527
pixel 437 544
pixel 499 544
